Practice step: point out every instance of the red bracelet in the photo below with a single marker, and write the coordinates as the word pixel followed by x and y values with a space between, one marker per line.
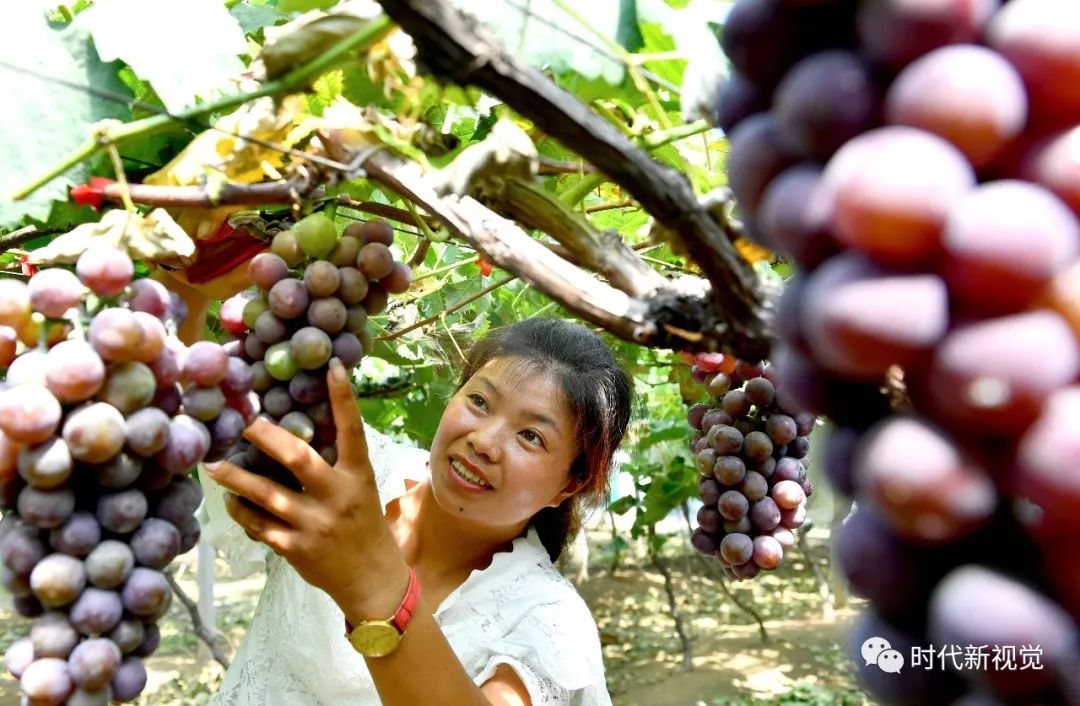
pixel 405 610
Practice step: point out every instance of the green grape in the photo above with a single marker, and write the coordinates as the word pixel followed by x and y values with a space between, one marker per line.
pixel 316 235
pixel 280 362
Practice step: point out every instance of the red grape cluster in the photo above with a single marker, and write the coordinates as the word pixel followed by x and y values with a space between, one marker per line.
pixel 102 414
pixel 919 162
pixel 313 294
pixel 749 444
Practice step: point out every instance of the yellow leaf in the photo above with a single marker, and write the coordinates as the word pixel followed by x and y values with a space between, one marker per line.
pixel 154 237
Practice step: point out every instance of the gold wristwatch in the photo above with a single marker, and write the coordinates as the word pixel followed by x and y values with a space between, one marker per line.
pixel 378 638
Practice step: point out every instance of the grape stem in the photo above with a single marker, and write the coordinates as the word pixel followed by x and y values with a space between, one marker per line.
pixel 201 630
pixel 294 80
pixel 449 310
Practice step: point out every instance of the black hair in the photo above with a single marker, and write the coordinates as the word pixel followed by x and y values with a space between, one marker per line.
pixel 598 392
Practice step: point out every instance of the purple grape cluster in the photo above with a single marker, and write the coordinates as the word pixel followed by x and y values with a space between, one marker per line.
pixel 102 414
pixel 312 297
pixel 917 161
pixel 750 443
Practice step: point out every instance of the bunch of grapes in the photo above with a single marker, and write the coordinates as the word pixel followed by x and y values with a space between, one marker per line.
pixel 102 414
pixel 749 444
pixel 918 161
pixel 314 292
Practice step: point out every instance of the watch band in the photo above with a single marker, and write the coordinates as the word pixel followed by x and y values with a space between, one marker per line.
pixel 405 610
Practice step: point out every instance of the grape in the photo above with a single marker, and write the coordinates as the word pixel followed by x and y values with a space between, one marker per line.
pixel 347 247
pixel 248 406
pixel 316 235
pixel 260 379
pixel 105 269
pixel 709 519
pixel 16 584
pixel 166 367
pixel 896 32
pixel 267 269
pixel 27 606
pixel 76 536
pixel 714 417
pixel 709 491
pixel 733 505
pixel 149 296
pixel 789 469
pixel 348 349
pixel 53 291
pixel 861 319
pixel 81 697
pixel 737 99
pixel 8 343
pixel 739 526
pixel 376 231
pixel 53 636
pixel 289 298
pixel 146 432
pixel 966 94
pixel 226 429
pixel 355 321
pixel 168 399
pixel 757 446
pixel 280 362
pixel 270 329
pixel 696 414
pixel 759 392
pixel 29 413
pixel 96 611
pixel 718 384
pixel 254 348
pixel 45 508
pixel 746 570
pixel 1039 474
pixel 190 531
pixel 762 40
pixel 109 564
pixel 150 642
pixel 921 483
pixel 129 681
pixel 321 278
pixel 206 363
pixel 298 424
pixel 277 402
pixel 123 511
pixel 21 549
pixel 1054 163
pixel 754 486
pixel 795 215
pixel 116 335
pixel 253 310
pixel 311 348
pixel 19 655
pixel 178 309
pixel 824 101
pixel 285 246
pixel 156 543
pixel 984 376
pixel 93 662
pixel 146 593
pixel 759 152
pixel 14 303
pixel 231 313
pixel 399 280
pixel 46 681
pixel 308 388
pixel 703 542
pixel 204 403
pixel 128 635
pixel 787 494
pixel 729 470
pixel 1040 38
pixel 74 371
pixel 736 404
pixel 180 501
pixel 767 552
pixel 47 465
pixel 29 368
pixel 894 187
pixel 737 548
pixel 354 286
pixel 94 433
pixel 1004 242
pixel 128 387
pixel 764 515
pixel 153 478
pixel 1010 614
pixel 328 314
pixel 187 444
pixel 57 580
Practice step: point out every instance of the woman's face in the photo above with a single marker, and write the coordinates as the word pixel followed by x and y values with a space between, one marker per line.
pixel 504 447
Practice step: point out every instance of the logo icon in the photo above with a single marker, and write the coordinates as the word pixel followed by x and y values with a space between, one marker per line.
pixel 878 651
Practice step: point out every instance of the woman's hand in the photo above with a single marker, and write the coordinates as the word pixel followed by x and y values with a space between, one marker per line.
pixel 334 533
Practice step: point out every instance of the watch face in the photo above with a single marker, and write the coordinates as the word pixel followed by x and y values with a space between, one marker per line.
pixel 375 639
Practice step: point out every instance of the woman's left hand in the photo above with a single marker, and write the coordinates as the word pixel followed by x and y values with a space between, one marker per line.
pixel 334 533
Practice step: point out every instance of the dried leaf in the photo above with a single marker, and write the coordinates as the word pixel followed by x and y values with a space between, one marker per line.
pixel 507 152
pixel 153 238
pixel 300 46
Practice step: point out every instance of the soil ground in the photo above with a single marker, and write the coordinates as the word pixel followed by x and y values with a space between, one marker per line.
pixel 801 662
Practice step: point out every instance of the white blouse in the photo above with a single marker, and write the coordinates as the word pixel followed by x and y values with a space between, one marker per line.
pixel 519 611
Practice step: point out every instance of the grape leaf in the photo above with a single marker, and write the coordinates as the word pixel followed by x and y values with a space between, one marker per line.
pixel 195 56
pixel 153 237
pixel 48 121
pixel 252 18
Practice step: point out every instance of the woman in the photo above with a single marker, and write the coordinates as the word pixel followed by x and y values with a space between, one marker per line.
pixel 525 443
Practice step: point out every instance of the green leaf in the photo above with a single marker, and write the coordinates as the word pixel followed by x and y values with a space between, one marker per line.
pixel 300 46
pixel 47 121
pixel 252 18
pixel 196 56
pixel 304 5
